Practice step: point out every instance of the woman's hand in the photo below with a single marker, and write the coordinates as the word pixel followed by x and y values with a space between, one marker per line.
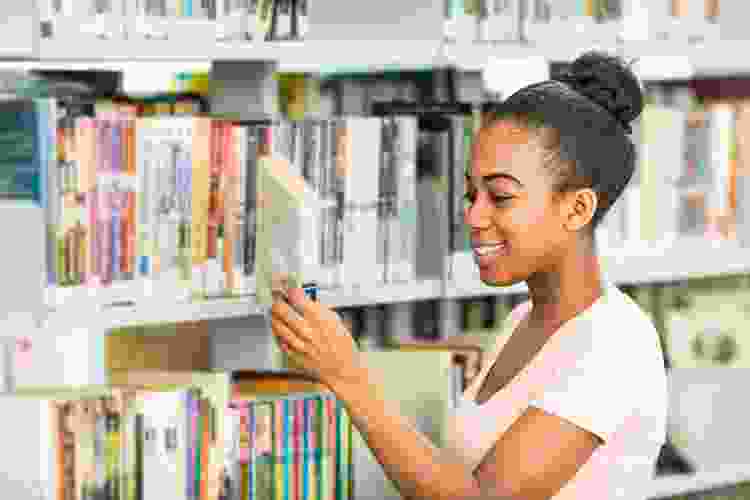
pixel 317 340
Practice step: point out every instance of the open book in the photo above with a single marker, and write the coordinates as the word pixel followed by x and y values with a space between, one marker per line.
pixel 286 229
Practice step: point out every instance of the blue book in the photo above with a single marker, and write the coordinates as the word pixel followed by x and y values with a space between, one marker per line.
pixel 252 455
pixel 306 449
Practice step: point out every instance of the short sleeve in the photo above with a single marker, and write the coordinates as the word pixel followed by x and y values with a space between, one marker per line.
pixel 591 384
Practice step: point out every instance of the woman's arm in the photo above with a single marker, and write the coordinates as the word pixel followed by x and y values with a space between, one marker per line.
pixel 532 460
pixel 419 469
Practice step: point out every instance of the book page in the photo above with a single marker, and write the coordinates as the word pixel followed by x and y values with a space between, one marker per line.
pixel 285 232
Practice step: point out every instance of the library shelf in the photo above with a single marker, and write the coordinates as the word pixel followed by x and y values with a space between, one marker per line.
pixel 150 311
pixel 686 258
pixel 653 60
pixel 383 294
pixel 689 258
pixel 319 56
pixel 681 484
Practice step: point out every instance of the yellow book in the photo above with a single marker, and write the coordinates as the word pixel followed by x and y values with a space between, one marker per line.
pixel 201 151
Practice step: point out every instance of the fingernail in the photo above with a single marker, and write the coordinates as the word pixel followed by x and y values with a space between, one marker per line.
pixel 296 294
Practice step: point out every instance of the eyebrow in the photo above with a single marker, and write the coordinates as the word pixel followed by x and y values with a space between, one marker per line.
pixel 492 177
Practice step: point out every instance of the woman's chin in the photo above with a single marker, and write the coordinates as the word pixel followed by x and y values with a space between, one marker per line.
pixel 492 278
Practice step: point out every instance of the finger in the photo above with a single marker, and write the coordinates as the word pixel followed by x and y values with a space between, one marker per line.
pixel 300 301
pixel 287 336
pixel 281 311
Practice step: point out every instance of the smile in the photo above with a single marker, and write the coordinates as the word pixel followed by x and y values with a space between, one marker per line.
pixel 488 250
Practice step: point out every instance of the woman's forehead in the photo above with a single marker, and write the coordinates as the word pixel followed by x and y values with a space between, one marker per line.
pixel 503 144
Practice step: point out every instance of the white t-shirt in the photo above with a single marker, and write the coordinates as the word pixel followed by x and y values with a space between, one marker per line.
pixel 604 371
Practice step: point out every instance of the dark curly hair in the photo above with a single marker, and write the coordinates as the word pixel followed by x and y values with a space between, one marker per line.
pixel 581 120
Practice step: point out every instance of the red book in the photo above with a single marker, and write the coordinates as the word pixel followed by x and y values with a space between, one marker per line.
pixel 330 403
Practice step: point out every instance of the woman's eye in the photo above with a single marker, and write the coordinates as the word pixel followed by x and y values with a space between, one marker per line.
pixel 469 199
pixel 501 199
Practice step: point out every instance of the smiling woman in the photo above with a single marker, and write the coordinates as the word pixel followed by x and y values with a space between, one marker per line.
pixel 558 410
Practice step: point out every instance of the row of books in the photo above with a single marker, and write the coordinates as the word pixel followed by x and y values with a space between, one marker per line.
pixel 167 206
pixel 295 448
pixel 464 20
pixel 690 178
pixel 195 20
pixel 264 440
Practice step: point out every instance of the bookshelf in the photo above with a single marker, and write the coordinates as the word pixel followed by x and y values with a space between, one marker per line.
pixel 683 260
pixel 659 60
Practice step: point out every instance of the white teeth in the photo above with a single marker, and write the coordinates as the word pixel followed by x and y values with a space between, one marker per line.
pixel 487 250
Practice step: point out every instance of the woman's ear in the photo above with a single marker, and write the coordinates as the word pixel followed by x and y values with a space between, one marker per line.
pixel 580 206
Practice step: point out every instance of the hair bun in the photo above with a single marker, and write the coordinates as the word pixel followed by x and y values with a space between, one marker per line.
pixel 609 82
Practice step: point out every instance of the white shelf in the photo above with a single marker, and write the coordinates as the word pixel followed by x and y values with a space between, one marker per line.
pixel 308 56
pixel 383 294
pixel 655 60
pixel 79 313
pixel 668 486
pixel 689 259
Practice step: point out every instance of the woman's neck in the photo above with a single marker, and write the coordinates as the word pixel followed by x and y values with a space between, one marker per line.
pixel 567 289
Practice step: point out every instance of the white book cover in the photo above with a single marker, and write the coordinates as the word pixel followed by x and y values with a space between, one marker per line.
pixel 403 235
pixel 721 130
pixel 286 211
pixel 329 265
pixel 360 194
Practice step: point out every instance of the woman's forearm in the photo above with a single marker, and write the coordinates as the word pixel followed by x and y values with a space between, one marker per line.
pixel 419 469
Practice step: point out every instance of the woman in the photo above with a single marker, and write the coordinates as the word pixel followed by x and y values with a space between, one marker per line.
pixel 572 405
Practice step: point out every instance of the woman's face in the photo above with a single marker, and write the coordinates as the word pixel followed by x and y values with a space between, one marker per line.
pixel 515 221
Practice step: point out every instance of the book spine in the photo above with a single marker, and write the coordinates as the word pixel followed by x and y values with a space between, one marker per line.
pixel 205 471
pixel 306 446
pixel 331 445
pixel 278 453
pixel 129 260
pixel 299 406
pixel 229 206
pixel 240 214
pixel 114 201
pixel 200 185
pixel 252 447
pixel 288 449
pixel 103 213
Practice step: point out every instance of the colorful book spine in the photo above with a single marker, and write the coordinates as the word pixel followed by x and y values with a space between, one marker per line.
pixel 306 445
pixel 115 201
pixel 263 473
pixel 297 453
pixel 189 448
pixel 288 449
pixel 252 447
pixel 230 199
pixel 278 453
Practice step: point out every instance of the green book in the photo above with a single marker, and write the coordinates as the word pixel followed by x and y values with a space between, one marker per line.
pixel 324 492
pixel 262 465
pixel 424 398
